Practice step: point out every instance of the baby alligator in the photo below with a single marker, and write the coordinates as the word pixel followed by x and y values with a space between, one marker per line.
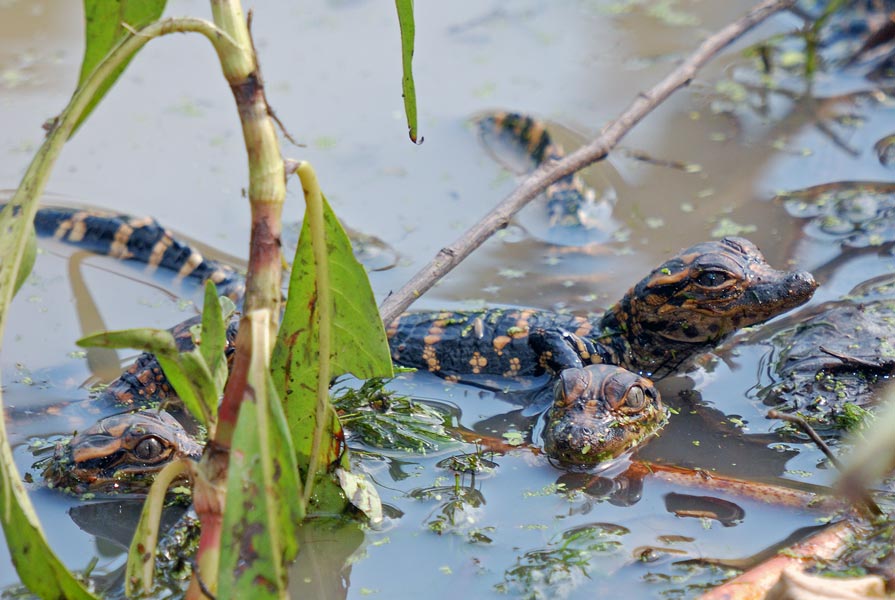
pixel 684 308
pixel 120 453
pixel 598 413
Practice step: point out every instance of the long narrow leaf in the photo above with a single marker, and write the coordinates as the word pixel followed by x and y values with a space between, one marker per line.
pixel 189 374
pixel 157 341
pixel 141 556
pixel 408 33
pixel 28 258
pixel 185 383
pixel 214 333
pixel 106 25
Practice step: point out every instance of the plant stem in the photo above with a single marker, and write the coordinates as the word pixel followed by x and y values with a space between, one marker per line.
pixel 450 256
pixel 324 307
pixel 267 192
pixel 267 180
pixel 141 564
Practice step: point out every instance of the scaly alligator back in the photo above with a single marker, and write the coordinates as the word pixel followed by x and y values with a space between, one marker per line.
pixel 486 342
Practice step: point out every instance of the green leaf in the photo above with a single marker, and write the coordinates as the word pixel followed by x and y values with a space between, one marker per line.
pixel 107 23
pixel 408 33
pixel 37 565
pixel 188 372
pixel 330 326
pixel 358 340
pixel 16 236
pixel 214 329
pixel 199 373
pixel 157 341
pixel 263 505
pixel 184 376
pixel 141 556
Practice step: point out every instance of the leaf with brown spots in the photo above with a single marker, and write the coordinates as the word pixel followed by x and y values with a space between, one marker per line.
pixel 258 535
pixel 330 327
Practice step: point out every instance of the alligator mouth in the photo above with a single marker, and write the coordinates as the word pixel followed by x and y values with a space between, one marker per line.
pixel 578 447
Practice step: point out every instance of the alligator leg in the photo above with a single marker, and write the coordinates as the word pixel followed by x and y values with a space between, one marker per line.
pixel 558 349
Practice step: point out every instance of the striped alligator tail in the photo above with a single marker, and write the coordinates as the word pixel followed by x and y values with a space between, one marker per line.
pixel 139 239
pixel 568 198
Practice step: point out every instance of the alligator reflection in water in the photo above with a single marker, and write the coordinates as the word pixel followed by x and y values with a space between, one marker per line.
pixel 728 513
pixel 625 488
pixel 114 522
pixel 332 540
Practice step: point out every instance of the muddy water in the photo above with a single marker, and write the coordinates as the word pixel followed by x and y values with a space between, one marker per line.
pixel 167 142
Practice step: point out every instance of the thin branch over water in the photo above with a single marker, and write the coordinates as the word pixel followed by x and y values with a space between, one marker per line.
pixel 451 256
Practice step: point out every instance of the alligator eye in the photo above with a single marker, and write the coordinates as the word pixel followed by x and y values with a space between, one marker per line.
pixel 149 448
pixel 711 279
pixel 635 399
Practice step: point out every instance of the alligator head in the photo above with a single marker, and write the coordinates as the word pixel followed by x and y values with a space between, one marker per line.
pixel 600 412
pixel 695 300
pixel 120 454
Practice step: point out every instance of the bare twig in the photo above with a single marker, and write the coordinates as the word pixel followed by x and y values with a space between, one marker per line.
pixel 809 431
pixel 861 495
pixel 450 256
pixel 856 362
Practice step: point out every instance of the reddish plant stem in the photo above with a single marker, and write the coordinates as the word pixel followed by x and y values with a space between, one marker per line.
pixel 768 493
pixel 267 191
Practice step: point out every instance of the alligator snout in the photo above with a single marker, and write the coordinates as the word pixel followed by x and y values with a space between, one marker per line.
pixel 775 294
pixel 801 283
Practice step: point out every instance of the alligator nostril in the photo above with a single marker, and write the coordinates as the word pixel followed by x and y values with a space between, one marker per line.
pixel 806 278
pixel 802 282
